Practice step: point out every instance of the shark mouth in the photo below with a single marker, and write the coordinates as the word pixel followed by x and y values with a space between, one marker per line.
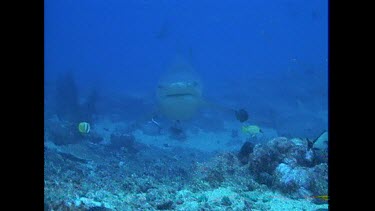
pixel 180 100
pixel 179 89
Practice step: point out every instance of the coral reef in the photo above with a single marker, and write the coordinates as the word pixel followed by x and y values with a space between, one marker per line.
pixel 269 176
pixel 288 165
pixel 246 149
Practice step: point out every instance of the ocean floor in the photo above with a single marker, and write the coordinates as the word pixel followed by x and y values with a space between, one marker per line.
pixel 196 138
pixel 159 172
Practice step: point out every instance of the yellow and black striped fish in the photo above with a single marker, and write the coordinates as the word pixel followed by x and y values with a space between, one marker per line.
pixel 84 127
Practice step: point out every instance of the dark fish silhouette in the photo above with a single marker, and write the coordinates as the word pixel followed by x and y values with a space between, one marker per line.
pixel 241 115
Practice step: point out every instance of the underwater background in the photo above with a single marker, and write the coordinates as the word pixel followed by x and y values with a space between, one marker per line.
pixel 142 101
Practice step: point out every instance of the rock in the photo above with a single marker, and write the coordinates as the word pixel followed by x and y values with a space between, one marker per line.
pixel 302 182
pixel 290 179
pixel 179 201
pixel 248 204
pixel 99 209
pixel 202 198
pixel 168 205
pixel 177 133
pixel 123 140
pixel 246 149
pixel 281 144
pixel 319 201
pixel 263 161
pixel 309 156
pixel 63 133
pixel 87 202
pixel 226 201
pixel 145 186
pixel 283 154
pixel 319 175
pixel 214 178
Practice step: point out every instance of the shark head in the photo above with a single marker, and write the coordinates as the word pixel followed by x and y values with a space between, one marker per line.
pixel 179 92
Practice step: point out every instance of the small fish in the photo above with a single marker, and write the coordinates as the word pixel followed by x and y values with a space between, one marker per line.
pixel 84 127
pixel 253 130
pixel 242 115
pixel 324 197
pixel 156 123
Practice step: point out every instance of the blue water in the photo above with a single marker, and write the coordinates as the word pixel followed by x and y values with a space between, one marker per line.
pixel 267 57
